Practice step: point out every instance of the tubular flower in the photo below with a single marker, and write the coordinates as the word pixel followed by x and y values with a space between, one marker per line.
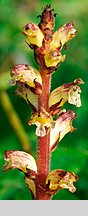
pixel 67 92
pixel 25 74
pixel 63 125
pixel 63 35
pixel 33 34
pixel 29 96
pixel 60 179
pixel 25 163
pixel 43 121
pixel 53 57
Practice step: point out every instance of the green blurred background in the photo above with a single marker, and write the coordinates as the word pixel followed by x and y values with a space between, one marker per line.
pixel 15 134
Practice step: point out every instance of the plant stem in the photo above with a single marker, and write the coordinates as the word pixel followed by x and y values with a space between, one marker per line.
pixel 43 142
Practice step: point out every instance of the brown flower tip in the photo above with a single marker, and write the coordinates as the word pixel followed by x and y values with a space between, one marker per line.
pixel 47 22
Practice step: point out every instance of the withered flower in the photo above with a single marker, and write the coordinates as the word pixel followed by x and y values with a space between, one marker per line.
pixel 60 179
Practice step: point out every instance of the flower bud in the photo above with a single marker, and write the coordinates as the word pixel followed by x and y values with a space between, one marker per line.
pixel 47 19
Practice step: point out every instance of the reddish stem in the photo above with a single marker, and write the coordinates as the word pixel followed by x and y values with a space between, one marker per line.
pixel 43 143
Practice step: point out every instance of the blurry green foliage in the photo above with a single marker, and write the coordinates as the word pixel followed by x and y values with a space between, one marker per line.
pixel 72 153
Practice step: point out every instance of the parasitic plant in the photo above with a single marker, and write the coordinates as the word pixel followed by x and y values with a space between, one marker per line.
pixel 51 120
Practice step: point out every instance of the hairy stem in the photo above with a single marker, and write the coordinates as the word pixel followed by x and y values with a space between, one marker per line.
pixel 43 142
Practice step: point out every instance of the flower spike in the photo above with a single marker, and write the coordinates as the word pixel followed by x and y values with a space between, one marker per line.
pixel 25 74
pixel 60 179
pixel 34 87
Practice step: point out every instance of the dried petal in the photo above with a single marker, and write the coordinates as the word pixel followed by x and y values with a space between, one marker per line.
pixel 31 186
pixel 63 125
pixel 25 74
pixel 29 96
pixel 33 34
pixel 67 92
pixel 63 35
pixel 20 160
pixel 53 57
pixel 42 120
pixel 60 179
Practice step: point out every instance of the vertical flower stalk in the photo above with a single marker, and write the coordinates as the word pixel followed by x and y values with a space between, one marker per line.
pixel 43 152
pixel 34 87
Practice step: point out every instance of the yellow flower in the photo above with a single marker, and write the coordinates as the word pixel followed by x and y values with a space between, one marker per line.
pixel 25 74
pixel 53 57
pixel 33 34
pixel 67 92
pixel 60 179
pixel 63 35
pixel 43 121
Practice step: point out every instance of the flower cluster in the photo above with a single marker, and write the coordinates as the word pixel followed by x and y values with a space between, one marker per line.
pixel 47 46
